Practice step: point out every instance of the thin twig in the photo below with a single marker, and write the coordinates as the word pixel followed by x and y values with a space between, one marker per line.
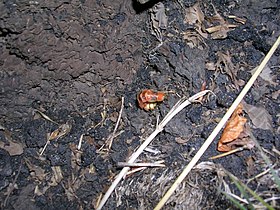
pixel 228 153
pixel 217 128
pixel 178 107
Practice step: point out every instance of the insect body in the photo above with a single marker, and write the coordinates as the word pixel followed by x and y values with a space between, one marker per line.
pixel 148 99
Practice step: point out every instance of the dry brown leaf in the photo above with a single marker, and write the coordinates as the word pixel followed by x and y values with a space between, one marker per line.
pixel 275 94
pixel 251 168
pixel 220 28
pixel 35 171
pixel 11 146
pixel 159 20
pixel 210 66
pixel 266 75
pixel 61 131
pixel 75 157
pixel 225 66
pixel 235 134
pixel 193 39
pixel 194 16
pixel 71 186
pixel 259 116
pixel 57 176
pixel 41 191
pixel 180 140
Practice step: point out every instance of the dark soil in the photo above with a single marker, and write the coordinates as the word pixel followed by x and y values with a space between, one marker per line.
pixel 73 61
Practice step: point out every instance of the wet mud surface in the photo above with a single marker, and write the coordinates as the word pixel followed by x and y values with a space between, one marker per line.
pixel 65 65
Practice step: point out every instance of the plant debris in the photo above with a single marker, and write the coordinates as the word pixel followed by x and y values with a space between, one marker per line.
pixel 220 27
pixel 225 66
pixel 72 61
pixel 259 116
pixel 62 130
pixel 235 133
pixel 266 75
pixel 11 146
pixel 158 20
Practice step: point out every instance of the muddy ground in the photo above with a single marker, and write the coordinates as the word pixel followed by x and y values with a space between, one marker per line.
pixel 67 64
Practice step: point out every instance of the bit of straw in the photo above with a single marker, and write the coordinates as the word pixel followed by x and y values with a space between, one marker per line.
pixel 228 153
pixel 218 127
pixel 181 104
pixel 45 116
pixel 134 171
pixel 109 141
pixel 261 174
pixel 125 164
pixel 80 142
pixel 47 143
pixel 237 197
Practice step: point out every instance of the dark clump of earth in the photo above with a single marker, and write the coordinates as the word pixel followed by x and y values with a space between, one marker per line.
pixel 65 67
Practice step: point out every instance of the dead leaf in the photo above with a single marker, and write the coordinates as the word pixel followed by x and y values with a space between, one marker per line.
pixel 235 133
pixel 35 171
pixel 61 131
pixel 195 17
pixel 11 146
pixel 180 140
pixel 75 157
pixel 193 39
pixel 57 176
pixel 225 66
pixel 210 66
pixel 44 116
pixel 266 75
pixel 39 192
pixel 259 116
pixel 71 186
pixel 56 134
pixel 158 19
pixel 275 94
pixel 251 168
pixel 220 28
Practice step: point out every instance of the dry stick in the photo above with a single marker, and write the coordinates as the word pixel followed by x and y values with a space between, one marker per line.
pixel 176 108
pixel 218 127
pixel 229 152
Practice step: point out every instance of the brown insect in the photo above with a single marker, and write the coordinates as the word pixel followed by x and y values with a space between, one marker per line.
pixel 148 99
